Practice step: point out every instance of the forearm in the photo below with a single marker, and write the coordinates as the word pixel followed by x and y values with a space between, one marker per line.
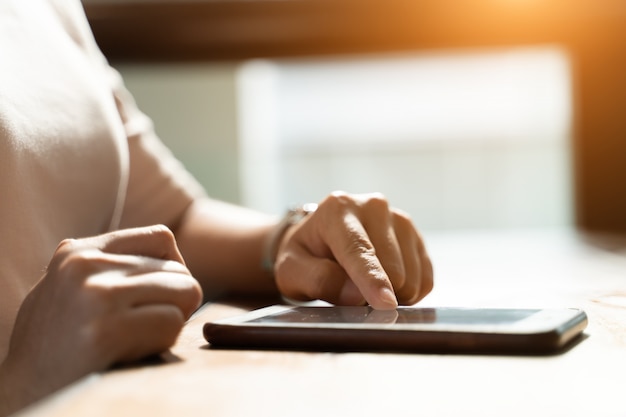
pixel 223 246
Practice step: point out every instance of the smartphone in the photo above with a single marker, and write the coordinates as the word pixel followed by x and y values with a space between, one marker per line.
pixel 406 329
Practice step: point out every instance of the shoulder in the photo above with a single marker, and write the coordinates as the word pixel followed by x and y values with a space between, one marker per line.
pixel 72 16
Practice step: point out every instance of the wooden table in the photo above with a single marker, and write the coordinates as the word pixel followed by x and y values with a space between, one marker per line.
pixel 526 269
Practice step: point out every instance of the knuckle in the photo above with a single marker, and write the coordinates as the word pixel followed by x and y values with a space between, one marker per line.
pixel 410 293
pixel 377 201
pixel 104 292
pixel 102 296
pixel 417 289
pixel 79 263
pixel 338 194
pixel 337 200
pixel 66 246
pixel 192 298
pixel 165 238
pixel 412 299
pixel 161 232
pixel 63 250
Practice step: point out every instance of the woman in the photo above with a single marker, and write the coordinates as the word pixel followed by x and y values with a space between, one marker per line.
pixel 108 244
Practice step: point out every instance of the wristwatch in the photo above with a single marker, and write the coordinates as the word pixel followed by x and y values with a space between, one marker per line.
pixel 293 216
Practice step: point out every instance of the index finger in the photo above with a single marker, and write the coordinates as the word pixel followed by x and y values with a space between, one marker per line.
pixel 351 246
pixel 156 241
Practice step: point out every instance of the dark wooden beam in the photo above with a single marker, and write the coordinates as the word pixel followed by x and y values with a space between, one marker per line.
pixel 239 29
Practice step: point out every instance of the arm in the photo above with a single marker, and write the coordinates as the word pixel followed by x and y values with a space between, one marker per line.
pixel 223 246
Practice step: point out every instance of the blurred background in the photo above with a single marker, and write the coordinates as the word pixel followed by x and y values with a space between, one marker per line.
pixel 492 114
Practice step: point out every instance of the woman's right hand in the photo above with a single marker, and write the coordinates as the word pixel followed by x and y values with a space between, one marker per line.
pixel 107 299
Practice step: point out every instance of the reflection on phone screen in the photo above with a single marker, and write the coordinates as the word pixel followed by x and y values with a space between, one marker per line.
pixel 402 315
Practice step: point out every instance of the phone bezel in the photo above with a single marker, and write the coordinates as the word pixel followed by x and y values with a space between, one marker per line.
pixel 543 334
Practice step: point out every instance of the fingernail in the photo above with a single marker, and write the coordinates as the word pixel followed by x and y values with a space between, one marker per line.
pixel 388 298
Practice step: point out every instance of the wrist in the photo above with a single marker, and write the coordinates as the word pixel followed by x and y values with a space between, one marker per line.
pixel 293 216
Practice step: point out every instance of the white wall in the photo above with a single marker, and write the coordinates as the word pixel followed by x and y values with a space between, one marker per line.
pixel 476 139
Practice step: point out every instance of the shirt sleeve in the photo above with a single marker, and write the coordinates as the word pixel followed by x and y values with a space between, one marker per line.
pixel 159 187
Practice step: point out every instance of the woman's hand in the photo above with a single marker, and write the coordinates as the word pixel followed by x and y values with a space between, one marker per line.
pixel 354 249
pixel 102 300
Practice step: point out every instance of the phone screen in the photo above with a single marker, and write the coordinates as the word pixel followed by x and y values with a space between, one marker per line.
pixel 367 315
